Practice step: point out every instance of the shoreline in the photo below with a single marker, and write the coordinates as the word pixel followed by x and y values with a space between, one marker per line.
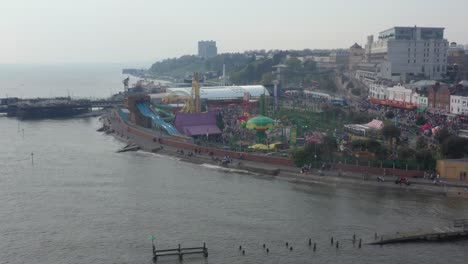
pixel 290 174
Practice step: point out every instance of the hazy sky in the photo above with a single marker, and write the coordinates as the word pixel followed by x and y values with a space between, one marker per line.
pixel 82 31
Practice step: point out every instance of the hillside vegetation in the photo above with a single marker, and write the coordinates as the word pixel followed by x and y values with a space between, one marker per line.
pixel 246 68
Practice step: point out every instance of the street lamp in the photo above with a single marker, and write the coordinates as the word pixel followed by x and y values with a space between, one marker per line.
pixel 315 153
pixel 315 156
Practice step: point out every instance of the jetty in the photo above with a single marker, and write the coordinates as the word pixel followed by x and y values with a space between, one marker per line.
pixel 179 251
pixel 58 107
pixel 129 147
pixel 458 232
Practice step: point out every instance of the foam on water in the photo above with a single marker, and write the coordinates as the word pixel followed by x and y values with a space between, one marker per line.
pixel 226 169
pixel 143 153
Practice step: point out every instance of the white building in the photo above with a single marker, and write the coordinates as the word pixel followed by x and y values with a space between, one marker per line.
pixel 367 72
pixel 400 94
pixel 396 93
pixel 323 62
pixel 421 102
pixel 397 96
pixel 378 91
pixel 406 53
pixel 459 105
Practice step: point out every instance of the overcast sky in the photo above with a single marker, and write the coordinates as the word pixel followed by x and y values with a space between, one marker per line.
pixel 89 31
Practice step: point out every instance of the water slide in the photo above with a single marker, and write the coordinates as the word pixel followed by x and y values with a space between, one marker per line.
pixel 167 116
pixel 157 120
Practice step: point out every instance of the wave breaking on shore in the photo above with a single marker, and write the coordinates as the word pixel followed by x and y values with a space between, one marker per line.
pixel 226 169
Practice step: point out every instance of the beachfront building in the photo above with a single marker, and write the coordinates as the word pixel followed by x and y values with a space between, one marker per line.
pixel 378 91
pixel 399 93
pixel 459 105
pixel 453 169
pixel 439 98
pixel 408 53
pixel 397 96
pixel 421 102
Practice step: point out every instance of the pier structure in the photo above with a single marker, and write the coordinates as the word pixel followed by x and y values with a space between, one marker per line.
pixel 53 107
pixel 459 231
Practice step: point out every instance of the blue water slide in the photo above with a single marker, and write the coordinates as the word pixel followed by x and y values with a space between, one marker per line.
pixel 157 120
pixel 166 115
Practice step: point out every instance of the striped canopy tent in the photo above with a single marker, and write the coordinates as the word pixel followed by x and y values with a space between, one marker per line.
pixel 260 123
pixel 375 124
pixel 361 130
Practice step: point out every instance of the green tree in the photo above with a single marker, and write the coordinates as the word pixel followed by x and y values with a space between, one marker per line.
pixel 267 78
pixel 391 132
pixel 389 115
pixel 442 134
pixel 373 145
pixel 299 157
pixel 421 143
pixel 454 147
pixel 328 147
pixel 250 73
pixel 425 159
pixel 358 144
pixel 310 66
pixel 420 120
pixel 381 153
pixel 360 118
pixel 294 64
pixel 294 72
pixel 406 154
pixel 219 122
pixel 279 57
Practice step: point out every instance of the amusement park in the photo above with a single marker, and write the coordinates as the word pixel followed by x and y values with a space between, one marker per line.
pixel 274 126
pixel 250 121
pixel 237 118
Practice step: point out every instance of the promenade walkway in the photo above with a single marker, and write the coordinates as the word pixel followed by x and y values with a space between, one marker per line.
pixel 288 173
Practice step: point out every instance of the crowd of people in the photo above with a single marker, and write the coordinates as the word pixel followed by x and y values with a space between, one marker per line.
pixel 406 119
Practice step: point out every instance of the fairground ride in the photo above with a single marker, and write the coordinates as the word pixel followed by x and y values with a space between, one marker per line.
pixel 192 102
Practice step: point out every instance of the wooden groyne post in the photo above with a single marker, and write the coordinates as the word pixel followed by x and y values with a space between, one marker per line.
pixel 179 251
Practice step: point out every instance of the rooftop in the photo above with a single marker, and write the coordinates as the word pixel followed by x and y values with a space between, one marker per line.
pixel 356 46
pixel 402 27
pixel 464 83
pixel 225 92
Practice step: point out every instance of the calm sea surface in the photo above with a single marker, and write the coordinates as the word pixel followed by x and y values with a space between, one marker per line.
pixel 76 80
pixel 80 202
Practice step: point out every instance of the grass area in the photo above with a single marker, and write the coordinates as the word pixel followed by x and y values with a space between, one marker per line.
pixel 308 121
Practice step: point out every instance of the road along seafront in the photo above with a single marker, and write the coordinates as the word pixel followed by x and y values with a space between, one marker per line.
pixel 279 168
